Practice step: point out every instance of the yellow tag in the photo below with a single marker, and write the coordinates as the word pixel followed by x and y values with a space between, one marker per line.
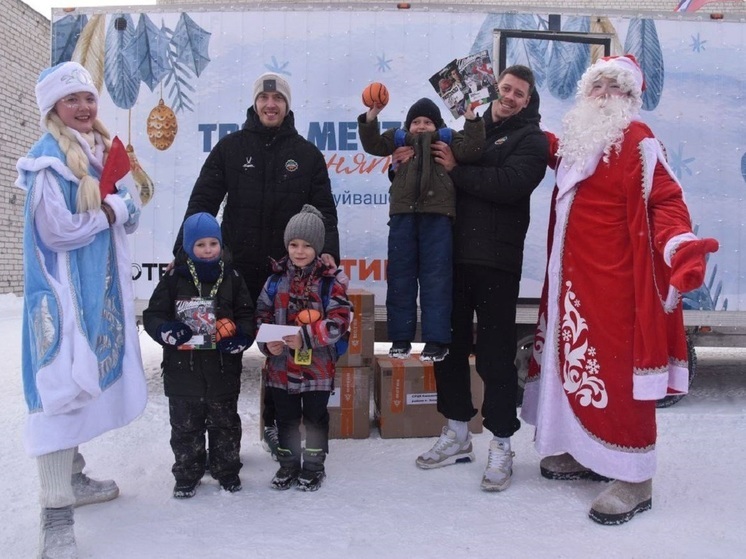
pixel 303 357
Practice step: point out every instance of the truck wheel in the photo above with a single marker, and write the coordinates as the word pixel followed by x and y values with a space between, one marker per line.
pixel 669 401
pixel 522 356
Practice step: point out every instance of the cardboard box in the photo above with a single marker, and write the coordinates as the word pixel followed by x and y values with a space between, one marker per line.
pixel 406 399
pixel 349 404
pixel 362 331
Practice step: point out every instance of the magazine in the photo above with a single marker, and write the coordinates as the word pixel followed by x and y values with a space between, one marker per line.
pixel 466 82
pixel 199 314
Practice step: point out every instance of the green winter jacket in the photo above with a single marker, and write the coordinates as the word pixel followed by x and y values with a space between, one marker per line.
pixel 420 185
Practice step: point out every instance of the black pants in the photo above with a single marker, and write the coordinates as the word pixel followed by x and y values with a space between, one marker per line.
pixel 311 407
pixel 189 421
pixel 493 295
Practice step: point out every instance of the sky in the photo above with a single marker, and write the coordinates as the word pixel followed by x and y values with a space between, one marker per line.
pixel 375 503
pixel 44 7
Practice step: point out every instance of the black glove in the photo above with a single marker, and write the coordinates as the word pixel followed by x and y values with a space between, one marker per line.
pixel 174 333
pixel 234 344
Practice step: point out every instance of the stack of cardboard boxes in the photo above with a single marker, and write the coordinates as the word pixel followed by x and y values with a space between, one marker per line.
pixel 406 399
pixel 349 404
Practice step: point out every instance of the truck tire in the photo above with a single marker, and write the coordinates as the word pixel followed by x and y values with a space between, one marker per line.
pixel 523 354
pixel 522 357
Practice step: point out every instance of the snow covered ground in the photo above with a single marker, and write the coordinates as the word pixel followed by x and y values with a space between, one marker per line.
pixel 375 503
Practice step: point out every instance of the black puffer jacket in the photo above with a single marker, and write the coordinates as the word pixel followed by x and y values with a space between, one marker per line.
pixel 492 196
pixel 200 374
pixel 268 174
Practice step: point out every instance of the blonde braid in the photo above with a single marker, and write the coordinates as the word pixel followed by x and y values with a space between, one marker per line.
pixel 89 196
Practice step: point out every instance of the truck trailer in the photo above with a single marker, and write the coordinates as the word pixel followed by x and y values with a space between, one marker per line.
pixel 174 79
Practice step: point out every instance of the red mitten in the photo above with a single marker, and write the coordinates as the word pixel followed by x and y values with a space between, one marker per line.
pixel 689 262
pixel 116 167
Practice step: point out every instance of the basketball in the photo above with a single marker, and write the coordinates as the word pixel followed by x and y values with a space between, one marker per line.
pixel 375 93
pixel 308 316
pixel 224 328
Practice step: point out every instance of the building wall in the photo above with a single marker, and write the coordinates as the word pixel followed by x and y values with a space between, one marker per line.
pixel 24 52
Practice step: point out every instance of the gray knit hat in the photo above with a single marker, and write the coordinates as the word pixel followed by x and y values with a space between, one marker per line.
pixel 269 82
pixel 308 225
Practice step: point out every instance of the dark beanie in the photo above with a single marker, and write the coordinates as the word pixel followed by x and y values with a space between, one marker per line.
pixel 424 107
pixel 200 226
pixel 308 225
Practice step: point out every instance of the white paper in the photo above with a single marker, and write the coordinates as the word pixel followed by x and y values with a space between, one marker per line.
pixel 275 332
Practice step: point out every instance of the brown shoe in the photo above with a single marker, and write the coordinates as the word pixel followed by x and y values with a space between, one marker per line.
pixel 621 501
pixel 565 467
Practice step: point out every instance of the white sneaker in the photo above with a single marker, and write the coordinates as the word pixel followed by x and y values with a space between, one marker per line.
pixel 446 451
pixel 499 468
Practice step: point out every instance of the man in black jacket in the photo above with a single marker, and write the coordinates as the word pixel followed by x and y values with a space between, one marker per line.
pixel 492 208
pixel 265 172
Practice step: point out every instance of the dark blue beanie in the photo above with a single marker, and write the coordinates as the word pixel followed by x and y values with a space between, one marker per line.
pixel 199 226
pixel 424 107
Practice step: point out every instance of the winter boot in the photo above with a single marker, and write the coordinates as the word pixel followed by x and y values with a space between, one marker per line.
pixel 400 350
pixel 447 450
pixel 565 467
pixel 57 539
pixel 185 489
pixel 621 501
pixel 433 352
pixel 499 469
pixel 88 491
pixel 270 440
pixel 287 476
pixel 231 483
pixel 312 474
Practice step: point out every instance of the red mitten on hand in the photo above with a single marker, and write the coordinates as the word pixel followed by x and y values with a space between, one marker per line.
pixel 116 167
pixel 689 262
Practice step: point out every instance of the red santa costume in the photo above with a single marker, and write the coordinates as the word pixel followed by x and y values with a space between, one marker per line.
pixel 610 339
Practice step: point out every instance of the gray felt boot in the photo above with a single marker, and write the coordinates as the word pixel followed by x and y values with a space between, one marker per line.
pixel 57 540
pixel 621 501
pixel 565 467
pixel 88 491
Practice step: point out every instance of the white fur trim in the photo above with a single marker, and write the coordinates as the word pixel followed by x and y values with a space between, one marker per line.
pixel 116 203
pixel 57 82
pixel 674 243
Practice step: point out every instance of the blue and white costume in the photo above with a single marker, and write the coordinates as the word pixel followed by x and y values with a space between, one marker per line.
pixel 82 368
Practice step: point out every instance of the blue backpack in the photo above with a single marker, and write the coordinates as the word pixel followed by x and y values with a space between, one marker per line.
pixel 327 282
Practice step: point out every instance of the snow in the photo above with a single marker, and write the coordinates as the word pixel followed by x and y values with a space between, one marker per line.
pixel 375 502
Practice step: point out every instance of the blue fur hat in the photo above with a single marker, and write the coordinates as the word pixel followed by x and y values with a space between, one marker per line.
pixel 200 226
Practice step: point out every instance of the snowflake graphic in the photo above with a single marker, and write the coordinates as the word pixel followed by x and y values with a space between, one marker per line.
pixel 679 164
pixel 576 302
pixel 277 67
pixel 566 335
pixel 384 65
pixel 592 366
pixel 698 44
pixel 592 351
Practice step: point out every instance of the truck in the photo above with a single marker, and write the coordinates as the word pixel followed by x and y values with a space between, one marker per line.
pixel 174 79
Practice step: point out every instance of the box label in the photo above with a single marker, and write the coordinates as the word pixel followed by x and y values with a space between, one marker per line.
pixel 424 398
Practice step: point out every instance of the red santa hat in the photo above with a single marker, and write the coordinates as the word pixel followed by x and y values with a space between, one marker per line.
pixel 624 69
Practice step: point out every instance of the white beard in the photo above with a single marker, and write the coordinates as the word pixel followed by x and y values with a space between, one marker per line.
pixel 593 126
